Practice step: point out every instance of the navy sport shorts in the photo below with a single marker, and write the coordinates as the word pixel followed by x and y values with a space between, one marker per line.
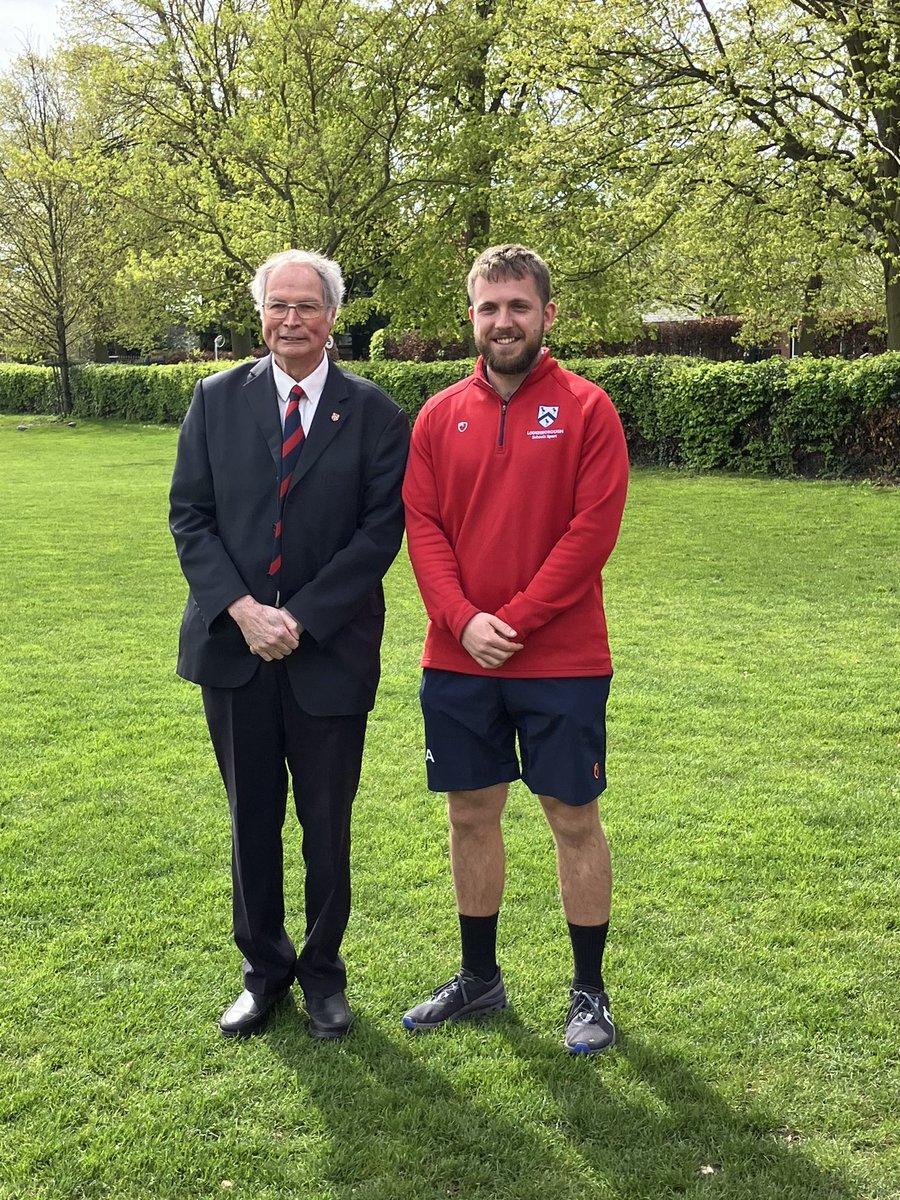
pixel 472 723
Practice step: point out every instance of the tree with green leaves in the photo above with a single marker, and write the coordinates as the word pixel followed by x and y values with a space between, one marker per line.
pixel 741 156
pixel 803 94
pixel 57 250
pixel 254 126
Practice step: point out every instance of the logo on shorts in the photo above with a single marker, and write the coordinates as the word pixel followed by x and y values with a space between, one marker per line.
pixel 429 757
pixel 596 770
pixel 547 414
pixel 463 426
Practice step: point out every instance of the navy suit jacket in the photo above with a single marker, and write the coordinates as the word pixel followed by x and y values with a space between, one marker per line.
pixel 343 525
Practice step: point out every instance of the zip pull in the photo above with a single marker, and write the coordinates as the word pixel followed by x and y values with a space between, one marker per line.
pixel 504 405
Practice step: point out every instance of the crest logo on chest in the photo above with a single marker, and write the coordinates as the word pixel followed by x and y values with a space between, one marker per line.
pixel 547 414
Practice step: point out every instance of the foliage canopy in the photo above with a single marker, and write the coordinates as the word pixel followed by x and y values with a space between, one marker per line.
pixel 742 156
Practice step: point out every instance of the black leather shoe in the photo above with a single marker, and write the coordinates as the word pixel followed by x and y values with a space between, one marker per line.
pixel 329 1016
pixel 249 1012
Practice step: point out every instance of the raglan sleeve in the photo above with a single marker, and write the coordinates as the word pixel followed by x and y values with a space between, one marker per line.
pixel 428 543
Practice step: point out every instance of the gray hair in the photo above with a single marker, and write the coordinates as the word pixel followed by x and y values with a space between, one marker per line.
pixel 327 270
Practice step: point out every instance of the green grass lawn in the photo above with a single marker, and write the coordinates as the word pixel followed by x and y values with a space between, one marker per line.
pixel 754 959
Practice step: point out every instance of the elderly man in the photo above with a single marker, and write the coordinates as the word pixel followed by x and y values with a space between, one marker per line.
pixel 514 494
pixel 286 514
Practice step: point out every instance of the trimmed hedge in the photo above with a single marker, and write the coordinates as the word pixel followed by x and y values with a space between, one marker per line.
pixel 806 416
pixel 27 389
pixel 151 395
pixel 809 416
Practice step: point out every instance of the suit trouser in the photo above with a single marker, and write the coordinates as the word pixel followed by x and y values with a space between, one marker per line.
pixel 259 734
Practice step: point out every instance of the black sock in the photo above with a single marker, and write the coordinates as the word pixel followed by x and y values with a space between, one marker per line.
pixel 588 942
pixel 479 945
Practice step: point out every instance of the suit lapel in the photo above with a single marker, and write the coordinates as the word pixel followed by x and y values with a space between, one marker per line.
pixel 332 414
pixel 263 401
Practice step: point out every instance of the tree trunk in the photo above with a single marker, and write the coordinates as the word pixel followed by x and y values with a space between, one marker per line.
pixel 64 388
pixel 892 297
pixel 808 323
pixel 241 343
pixel 480 151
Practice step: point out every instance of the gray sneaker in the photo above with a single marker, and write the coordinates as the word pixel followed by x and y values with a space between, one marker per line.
pixel 465 995
pixel 589 1025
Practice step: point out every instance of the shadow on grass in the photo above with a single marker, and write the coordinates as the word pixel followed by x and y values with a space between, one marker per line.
pixel 665 1132
pixel 408 1118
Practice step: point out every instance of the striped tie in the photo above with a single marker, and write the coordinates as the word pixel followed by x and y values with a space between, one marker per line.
pixel 291 445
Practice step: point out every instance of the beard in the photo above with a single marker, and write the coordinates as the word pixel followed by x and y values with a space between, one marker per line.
pixel 503 361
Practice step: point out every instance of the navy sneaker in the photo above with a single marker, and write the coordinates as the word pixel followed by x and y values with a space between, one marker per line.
pixel 589 1025
pixel 465 995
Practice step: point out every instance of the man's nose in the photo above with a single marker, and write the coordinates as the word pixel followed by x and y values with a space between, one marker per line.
pixel 291 317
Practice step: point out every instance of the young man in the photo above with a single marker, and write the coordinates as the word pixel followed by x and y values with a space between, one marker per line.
pixel 514 494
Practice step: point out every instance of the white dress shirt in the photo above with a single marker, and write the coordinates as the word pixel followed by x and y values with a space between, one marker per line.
pixel 312 386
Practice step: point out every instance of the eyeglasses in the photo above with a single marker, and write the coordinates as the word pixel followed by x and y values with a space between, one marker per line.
pixel 308 310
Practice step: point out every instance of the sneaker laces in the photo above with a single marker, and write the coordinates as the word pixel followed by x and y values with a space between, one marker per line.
pixel 452 985
pixel 589 1006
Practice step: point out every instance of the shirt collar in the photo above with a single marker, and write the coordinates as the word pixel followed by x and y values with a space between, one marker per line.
pixel 312 385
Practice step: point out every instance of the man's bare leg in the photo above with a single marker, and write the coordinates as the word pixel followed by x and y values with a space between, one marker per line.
pixel 478 861
pixel 583 861
pixel 477 854
pixel 585 884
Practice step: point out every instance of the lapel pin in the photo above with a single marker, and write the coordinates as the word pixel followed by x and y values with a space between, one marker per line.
pixel 335 416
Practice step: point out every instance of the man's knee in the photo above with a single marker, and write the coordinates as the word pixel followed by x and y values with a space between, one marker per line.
pixel 572 824
pixel 476 811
